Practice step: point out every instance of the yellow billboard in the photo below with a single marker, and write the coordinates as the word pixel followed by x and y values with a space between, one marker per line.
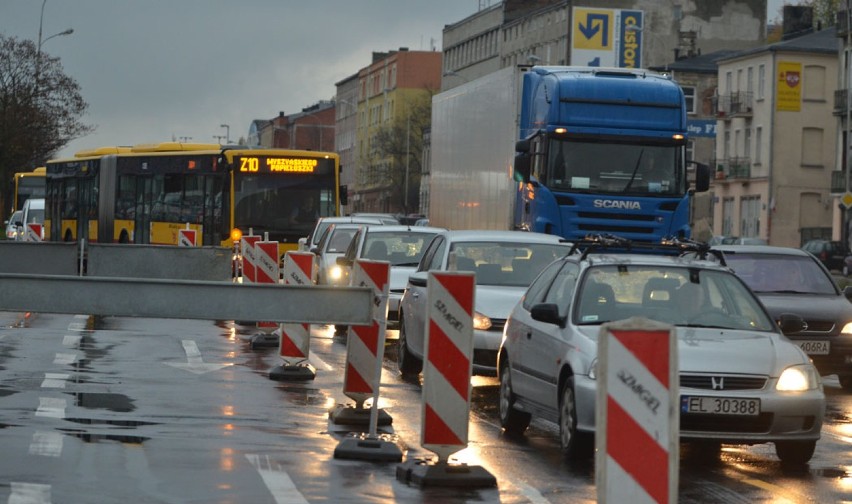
pixel 789 87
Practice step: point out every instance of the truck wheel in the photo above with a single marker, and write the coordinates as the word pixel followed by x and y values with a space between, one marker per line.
pixel 514 422
pixel 408 364
pixel 795 453
pixel 574 444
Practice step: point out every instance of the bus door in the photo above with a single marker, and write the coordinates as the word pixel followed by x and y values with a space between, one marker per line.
pixel 147 189
pixel 87 205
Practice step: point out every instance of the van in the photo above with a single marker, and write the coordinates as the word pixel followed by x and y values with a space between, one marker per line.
pixel 32 213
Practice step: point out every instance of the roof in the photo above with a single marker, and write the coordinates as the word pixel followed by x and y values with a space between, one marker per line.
pixel 391 228
pixel 704 63
pixel 492 235
pixel 823 41
pixel 761 249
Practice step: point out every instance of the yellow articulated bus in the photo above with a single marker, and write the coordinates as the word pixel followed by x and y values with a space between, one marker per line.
pixel 147 193
pixel 26 185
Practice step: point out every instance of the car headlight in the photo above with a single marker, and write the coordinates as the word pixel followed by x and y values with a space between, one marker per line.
pixel 798 378
pixel 847 329
pixel 335 273
pixel 481 322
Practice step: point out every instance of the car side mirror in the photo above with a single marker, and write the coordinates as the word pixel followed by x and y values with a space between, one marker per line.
pixel 547 313
pixel 418 279
pixel 344 261
pixel 315 251
pixel 791 323
pixel 847 291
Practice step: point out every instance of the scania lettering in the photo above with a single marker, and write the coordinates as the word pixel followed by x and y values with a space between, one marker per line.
pixel 569 151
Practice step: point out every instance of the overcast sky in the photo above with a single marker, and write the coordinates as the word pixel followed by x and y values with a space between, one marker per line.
pixel 153 70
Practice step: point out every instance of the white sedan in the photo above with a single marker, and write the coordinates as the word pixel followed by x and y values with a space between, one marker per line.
pixel 505 262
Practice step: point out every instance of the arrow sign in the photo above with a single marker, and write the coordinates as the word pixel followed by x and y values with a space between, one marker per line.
pixel 594 24
pixel 193 363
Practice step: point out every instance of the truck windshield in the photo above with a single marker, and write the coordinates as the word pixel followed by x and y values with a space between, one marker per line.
pixel 614 168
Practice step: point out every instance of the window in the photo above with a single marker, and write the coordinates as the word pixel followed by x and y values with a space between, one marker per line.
pixel 750 216
pixel 814 83
pixel 750 80
pixel 747 143
pixel 812 147
pixel 690 150
pixel 727 216
pixel 758 141
pixel 689 95
pixel 761 81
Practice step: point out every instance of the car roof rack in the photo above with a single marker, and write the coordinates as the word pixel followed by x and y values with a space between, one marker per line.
pixel 667 246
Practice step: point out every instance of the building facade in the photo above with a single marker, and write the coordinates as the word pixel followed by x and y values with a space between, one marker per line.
pixel 776 140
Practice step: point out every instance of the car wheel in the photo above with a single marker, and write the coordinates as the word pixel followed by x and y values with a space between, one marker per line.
pixel 407 363
pixel 846 382
pixel 574 444
pixel 795 452
pixel 513 421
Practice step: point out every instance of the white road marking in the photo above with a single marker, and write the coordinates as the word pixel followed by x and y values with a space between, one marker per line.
pixel 29 493
pixel 46 444
pixel 318 363
pixel 532 494
pixel 71 340
pixel 277 480
pixel 194 363
pixel 51 407
pixel 55 380
pixel 63 359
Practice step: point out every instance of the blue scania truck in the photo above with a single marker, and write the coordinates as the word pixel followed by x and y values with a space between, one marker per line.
pixel 570 151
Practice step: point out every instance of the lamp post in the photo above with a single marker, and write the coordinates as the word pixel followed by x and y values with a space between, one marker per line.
pixel 227 132
pixel 69 31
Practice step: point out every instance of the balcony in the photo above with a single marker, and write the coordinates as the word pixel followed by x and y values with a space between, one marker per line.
pixel 734 104
pixel 733 168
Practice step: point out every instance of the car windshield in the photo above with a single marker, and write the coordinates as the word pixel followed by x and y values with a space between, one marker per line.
pixel 781 273
pixel 339 240
pixel 402 248
pixel 681 296
pixel 504 263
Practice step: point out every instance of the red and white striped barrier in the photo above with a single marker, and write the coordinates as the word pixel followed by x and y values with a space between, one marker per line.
pixel 248 255
pixel 294 346
pixel 447 369
pixel 637 413
pixel 187 237
pixel 448 363
pixel 266 270
pixel 365 347
pixel 34 232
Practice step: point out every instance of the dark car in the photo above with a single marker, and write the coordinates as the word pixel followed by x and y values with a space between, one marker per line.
pixel 831 253
pixel 790 280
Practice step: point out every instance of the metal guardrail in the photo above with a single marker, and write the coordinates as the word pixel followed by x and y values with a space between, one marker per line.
pixel 162 282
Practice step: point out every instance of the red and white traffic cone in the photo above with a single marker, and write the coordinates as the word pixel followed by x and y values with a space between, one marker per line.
pixel 294 340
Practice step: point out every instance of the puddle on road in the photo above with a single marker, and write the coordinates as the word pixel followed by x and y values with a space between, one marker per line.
pixel 125 424
pixel 835 416
pixel 119 403
pixel 89 437
pixel 304 396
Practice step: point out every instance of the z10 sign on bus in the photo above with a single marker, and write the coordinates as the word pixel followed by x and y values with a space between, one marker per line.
pixel 272 164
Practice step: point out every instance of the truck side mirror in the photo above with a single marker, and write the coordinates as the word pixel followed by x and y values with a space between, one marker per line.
pixel 344 195
pixel 522 168
pixel 702 176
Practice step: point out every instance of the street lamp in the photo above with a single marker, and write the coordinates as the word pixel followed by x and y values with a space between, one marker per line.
pixel 227 132
pixel 69 31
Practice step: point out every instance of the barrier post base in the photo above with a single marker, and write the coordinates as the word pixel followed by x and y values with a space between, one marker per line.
pixel 381 448
pixel 295 372
pixel 349 415
pixel 423 473
pixel 265 340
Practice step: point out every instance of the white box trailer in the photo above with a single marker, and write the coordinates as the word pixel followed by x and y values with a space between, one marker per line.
pixel 474 130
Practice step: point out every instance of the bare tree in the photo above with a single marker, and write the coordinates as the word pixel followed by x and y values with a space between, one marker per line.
pixel 401 143
pixel 40 107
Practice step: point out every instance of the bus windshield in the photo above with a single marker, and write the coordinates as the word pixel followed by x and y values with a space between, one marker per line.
pixel 281 206
pixel 615 168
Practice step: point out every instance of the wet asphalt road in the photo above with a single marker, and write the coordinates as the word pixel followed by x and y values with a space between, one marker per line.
pixel 172 411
